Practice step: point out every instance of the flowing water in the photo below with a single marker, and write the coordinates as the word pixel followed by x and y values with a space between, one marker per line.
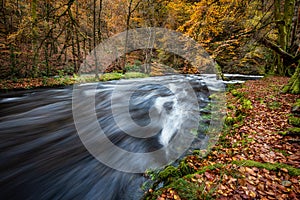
pixel 43 157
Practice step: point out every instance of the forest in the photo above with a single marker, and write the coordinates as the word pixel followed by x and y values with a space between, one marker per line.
pixel 244 135
pixel 44 38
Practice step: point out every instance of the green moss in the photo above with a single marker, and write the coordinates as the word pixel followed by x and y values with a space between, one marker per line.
pixel 294 130
pixel 269 166
pixel 243 142
pixel 169 171
pixel 231 106
pixel 274 105
pixel 223 141
pixel 282 133
pixel 219 73
pixel 236 93
pixel 229 121
pixel 135 75
pixel 240 118
pixel 185 168
pixel 295 121
pixel 294 83
pixel 297 103
pixel 296 86
pixel 111 76
pixel 191 190
pixel 240 113
pixel 185 189
pixel 206 116
pixel 178 178
pixel 230 87
pixel 108 77
pixel 246 104
pixel 84 78
pixel 281 151
pixel 209 167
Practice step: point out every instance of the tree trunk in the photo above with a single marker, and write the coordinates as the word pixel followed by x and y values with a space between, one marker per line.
pixel 34 37
pixel 12 60
pixel 284 24
pixel 47 43
pixel 289 8
pixel 94 40
pixel 131 9
pixel 72 30
pixel 294 83
pixel 79 56
pixel 126 37
pixel 99 21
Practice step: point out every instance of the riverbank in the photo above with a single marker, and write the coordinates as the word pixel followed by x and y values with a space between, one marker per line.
pixel 58 81
pixel 256 157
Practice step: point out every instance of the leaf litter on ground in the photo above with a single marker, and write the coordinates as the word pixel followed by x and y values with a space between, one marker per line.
pixel 257 161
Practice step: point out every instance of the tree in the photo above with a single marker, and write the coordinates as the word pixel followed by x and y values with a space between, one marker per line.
pixel 130 10
pixel 286 15
pixel 94 40
pixel 34 36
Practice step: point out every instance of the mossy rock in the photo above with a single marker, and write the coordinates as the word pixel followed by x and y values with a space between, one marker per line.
pixel 295 121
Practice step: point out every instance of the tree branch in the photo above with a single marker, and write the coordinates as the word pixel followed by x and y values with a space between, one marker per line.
pixel 275 48
pixel 135 7
pixel 69 4
pixel 288 58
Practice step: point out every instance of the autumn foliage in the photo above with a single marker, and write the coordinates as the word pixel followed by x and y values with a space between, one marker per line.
pixel 44 38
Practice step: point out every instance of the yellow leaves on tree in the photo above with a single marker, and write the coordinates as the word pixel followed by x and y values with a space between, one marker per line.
pixel 208 19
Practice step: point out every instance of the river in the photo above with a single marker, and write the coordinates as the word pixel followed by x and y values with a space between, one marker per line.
pixel 44 157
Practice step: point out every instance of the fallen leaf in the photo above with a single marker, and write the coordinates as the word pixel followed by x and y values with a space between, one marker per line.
pixel 252 194
pixel 209 176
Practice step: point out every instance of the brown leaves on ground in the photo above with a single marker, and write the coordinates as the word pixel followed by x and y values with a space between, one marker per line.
pixel 239 182
pixel 28 83
pixel 268 117
pixel 169 194
pixel 257 138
